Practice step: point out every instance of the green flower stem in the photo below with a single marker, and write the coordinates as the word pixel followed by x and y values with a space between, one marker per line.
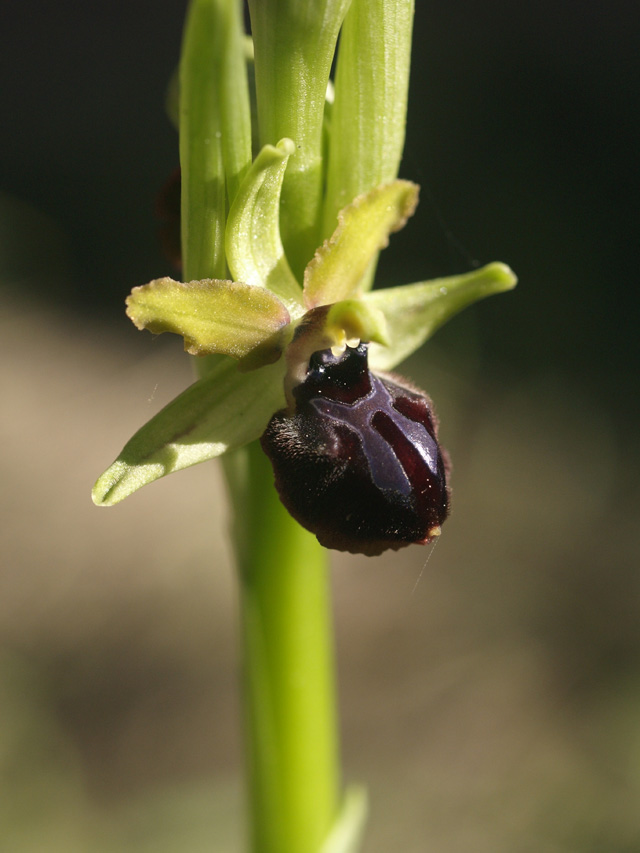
pixel 294 43
pixel 288 667
pixel 292 748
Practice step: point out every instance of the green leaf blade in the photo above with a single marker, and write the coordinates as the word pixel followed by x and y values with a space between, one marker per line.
pixel 364 226
pixel 295 43
pixel 224 410
pixel 201 156
pixel 415 311
pixel 369 114
pixel 234 94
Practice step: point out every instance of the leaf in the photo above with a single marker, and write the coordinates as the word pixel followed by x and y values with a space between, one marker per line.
pixel 224 410
pixel 346 833
pixel 415 311
pixel 254 249
pixel 336 271
pixel 203 196
pixel 213 316
pixel 295 44
pixel 370 111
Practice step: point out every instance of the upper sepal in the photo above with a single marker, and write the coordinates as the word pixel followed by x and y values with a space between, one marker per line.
pixel 252 238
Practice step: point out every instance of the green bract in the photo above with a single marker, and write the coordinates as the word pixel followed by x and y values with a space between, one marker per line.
pixel 252 321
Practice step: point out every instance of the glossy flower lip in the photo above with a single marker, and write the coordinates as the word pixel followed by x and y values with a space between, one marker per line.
pixel 358 461
pixel 254 321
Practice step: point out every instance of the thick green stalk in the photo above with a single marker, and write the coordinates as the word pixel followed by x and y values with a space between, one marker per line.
pixel 288 668
pixel 292 749
pixel 294 43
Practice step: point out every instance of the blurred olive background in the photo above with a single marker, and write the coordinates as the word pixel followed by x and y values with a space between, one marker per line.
pixel 490 697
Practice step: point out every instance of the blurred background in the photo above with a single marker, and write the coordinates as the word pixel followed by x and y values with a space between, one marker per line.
pixel 490 688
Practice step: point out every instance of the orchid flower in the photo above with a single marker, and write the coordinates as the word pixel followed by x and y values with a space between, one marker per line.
pixel 255 321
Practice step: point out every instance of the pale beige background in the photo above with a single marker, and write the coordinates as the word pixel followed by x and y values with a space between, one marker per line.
pixel 488 696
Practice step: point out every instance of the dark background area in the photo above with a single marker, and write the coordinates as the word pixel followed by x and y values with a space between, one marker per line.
pixel 496 707
pixel 522 129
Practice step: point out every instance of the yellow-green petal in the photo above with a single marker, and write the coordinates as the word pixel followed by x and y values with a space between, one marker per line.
pixel 213 316
pixel 364 226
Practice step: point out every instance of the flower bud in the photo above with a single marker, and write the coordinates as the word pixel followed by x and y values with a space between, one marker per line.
pixel 358 461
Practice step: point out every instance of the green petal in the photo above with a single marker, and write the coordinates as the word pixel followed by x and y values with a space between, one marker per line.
pixel 254 249
pixel 213 316
pixel 226 409
pixel 415 311
pixel 336 271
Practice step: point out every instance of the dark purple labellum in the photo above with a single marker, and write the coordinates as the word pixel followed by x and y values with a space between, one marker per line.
pixel 358 462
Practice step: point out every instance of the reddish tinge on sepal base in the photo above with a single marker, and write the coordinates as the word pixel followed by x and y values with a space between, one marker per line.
pixel 358 462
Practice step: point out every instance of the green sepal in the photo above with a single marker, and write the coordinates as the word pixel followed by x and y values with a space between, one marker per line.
pixel 224 410
pixel 415 311
pixel 213 316
pixel 364 226
pixel 253 245
pixel 348 828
